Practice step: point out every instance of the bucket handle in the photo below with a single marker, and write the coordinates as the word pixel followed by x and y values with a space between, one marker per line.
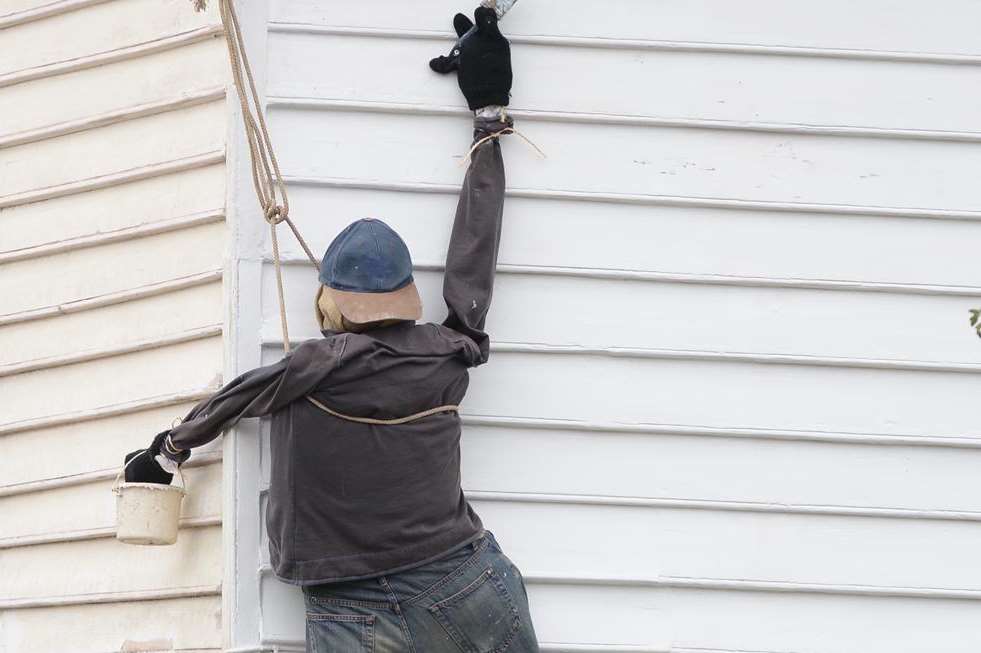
pixel 115 484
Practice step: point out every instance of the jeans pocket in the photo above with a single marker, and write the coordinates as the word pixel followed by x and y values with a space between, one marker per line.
pixel 480 618
pixel 340 633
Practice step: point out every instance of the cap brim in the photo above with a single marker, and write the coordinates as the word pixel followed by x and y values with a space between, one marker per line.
pixel 362 307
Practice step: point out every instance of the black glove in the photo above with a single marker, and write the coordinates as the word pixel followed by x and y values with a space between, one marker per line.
pixel 483 60
pixel 145 469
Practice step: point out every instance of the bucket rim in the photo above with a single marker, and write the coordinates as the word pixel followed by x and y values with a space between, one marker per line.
pixel 160 487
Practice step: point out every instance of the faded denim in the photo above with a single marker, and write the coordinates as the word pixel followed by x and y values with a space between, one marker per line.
pixel 470 601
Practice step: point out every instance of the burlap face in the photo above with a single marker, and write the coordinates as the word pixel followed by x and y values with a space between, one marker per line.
pixel 330 318
pixel 328 315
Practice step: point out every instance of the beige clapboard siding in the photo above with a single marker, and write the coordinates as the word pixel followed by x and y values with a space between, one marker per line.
pixel 147 261
pixel 768 22
pixel 182 367
pixel 145 202
pixel 118 268
pixel 153 139
pixel 110 565
pixel 103 441
pixel 99 331
pixel 93 506
pixel 151 622
pixel 729 86
pixel 18 12
pixel 99 28
pixel 139 80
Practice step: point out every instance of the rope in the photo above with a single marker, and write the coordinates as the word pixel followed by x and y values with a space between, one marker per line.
pixel 388 422
pixel 498 134
pixel 270 188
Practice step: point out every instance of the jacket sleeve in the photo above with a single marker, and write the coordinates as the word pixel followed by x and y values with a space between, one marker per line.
pixel 472 257
pixel 256 393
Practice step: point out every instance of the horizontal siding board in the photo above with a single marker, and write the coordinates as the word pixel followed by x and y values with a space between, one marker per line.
pixel 731 620
pixel 134 204
pixel 25 286
pixel 737 394
pixel 738 88
pixel 176 624
pixel 99 28
pixel 661 238
pixel 135 81
pixel 718 469
pixel 178 368
pixel 110 565
pixel 647 161
pixel 93 505
pixel 662 543
pixel 154 139
pixel 650 543
pixel 777 397
pixel 104 442
pixel 704 619
pixel 836 24
pixel 121 325
pixel 550 310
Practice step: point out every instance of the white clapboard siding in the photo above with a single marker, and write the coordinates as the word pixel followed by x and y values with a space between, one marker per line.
pixel 663 542
pixel 641 160
pixel 756 242
pixel 672 317
pixel 146 624
pixel 898 26
pixel 112 316
pixel 705 86
pixel 729 405
pixel 667 619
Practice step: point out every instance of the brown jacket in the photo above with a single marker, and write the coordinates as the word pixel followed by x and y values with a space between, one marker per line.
pixel 350 500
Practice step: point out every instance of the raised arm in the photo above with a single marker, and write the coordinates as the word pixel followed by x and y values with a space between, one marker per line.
pixel 483 62
pixel 471 260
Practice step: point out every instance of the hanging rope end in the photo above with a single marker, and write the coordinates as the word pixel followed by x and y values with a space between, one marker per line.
pixel 199 5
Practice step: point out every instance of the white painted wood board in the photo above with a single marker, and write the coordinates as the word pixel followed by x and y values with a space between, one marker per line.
pixel 872 25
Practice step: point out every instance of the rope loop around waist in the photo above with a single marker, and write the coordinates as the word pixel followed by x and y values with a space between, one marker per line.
pixel 399 420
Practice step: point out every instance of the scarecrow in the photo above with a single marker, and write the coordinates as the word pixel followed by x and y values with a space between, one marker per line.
pixel 366 511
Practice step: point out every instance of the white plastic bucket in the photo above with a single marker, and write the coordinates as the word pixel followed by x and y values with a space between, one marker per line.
pixel 147 513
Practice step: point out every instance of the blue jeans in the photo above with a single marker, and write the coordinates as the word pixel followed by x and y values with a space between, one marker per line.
pixel 471 601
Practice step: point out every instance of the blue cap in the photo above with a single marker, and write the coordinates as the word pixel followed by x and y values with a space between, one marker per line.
pixel 368 271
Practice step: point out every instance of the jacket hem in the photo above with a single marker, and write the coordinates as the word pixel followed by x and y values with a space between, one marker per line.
pixel 281 571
